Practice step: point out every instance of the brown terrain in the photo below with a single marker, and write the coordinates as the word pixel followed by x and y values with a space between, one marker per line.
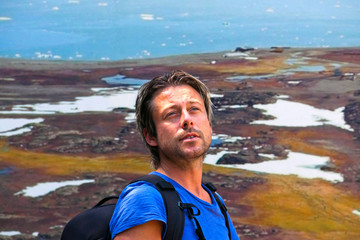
pixel 103 146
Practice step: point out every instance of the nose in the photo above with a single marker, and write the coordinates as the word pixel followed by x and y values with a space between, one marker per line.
pixel 187 121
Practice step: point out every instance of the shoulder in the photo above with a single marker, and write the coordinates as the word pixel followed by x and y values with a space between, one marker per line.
pixel 139 189
pixel 140 194
pixel 139 203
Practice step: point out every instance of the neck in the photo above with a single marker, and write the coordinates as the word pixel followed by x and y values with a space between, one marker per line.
pixel 189 176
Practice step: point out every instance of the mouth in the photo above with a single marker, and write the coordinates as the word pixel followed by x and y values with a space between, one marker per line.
pixel 189 136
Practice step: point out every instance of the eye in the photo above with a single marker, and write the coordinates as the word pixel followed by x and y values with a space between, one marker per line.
pixel 170 114
pixel 194 109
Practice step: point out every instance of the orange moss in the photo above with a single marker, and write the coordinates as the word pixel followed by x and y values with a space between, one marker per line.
pixel 56 164
pixel 298 146
pixel 304 140
pixel 227 170
pixel 314 207
pixel 261 66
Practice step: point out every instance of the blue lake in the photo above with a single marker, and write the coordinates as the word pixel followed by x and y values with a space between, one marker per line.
pixel 119 80
pixel 127 29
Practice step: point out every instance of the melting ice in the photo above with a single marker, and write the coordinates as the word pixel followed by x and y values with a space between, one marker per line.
pixel 42 189
pixel 294 114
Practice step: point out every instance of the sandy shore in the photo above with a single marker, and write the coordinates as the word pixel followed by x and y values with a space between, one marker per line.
pixel 104 146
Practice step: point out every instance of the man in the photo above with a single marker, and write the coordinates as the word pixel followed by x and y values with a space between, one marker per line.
pixel 174 118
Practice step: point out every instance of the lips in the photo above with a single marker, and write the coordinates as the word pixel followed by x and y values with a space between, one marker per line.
pixel 189 136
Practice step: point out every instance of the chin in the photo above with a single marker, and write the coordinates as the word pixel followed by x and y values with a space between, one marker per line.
pixel 195 153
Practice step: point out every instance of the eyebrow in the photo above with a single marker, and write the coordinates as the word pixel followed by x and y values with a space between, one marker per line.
pixel 174 106
pixel 196 101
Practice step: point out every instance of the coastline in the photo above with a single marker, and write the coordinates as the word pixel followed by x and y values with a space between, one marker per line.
pixel 167 60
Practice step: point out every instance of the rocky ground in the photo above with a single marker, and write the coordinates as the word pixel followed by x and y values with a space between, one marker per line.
pixel 105 147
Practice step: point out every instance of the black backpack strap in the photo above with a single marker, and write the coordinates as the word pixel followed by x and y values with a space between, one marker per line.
pixel 105 199
pixel 222 206
pixel 175 215
pixel 192 215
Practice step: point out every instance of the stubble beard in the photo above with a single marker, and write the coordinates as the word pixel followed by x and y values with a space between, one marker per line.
pixel 181 153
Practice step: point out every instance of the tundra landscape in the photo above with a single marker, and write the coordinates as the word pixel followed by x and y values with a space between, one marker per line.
pixel 285 150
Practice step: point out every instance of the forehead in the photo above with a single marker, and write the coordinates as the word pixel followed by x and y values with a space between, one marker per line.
pixel 174 94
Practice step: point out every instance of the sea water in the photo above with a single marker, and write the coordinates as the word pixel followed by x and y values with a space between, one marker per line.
pixel 126 29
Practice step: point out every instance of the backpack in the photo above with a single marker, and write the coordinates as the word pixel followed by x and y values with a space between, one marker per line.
pixel 93 224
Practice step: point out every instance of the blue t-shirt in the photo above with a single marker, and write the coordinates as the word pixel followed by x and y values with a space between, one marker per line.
pixel 141 202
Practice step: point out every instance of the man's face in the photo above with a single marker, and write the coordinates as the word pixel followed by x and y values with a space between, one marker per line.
pixel 182 127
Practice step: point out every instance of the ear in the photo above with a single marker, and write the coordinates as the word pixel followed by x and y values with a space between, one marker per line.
pixel 151 140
